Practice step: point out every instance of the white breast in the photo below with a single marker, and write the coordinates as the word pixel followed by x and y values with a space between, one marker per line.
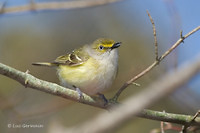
pixel 108 64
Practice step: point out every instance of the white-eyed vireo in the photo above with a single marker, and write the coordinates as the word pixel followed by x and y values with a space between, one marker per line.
pixel 92 68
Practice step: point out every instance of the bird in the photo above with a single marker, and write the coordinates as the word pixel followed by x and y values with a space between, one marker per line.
pixel 92 68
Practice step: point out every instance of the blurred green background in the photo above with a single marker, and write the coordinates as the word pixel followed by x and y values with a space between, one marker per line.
pixel 43 35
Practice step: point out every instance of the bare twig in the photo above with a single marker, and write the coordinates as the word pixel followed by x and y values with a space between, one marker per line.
pixel 55 5
pixel 154 34
pixel 196 115
pixel 179 42
pixel 155 63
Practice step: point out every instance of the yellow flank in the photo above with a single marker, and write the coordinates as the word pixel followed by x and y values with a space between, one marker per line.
pixel 78 75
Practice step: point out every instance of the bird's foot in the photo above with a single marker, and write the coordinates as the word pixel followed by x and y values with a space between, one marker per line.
pixel 80 93
pixel 103 97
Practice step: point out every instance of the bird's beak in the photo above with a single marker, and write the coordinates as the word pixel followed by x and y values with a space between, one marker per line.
pixel 116 45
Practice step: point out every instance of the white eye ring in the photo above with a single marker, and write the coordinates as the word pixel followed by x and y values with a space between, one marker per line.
pixel 101 47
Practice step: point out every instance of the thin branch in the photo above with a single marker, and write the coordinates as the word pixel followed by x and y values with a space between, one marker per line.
pixel 179 42
pixel 155 63
pixel 154 34
pixel 54 5
pixel 196 115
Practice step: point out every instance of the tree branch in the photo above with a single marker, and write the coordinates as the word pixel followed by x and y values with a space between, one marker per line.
pixel 54 5
pixel 170 117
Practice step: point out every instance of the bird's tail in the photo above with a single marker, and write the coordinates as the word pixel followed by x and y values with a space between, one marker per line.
pixel 47 64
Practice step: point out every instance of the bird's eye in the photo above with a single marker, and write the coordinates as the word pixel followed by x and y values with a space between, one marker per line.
pixel 101 47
